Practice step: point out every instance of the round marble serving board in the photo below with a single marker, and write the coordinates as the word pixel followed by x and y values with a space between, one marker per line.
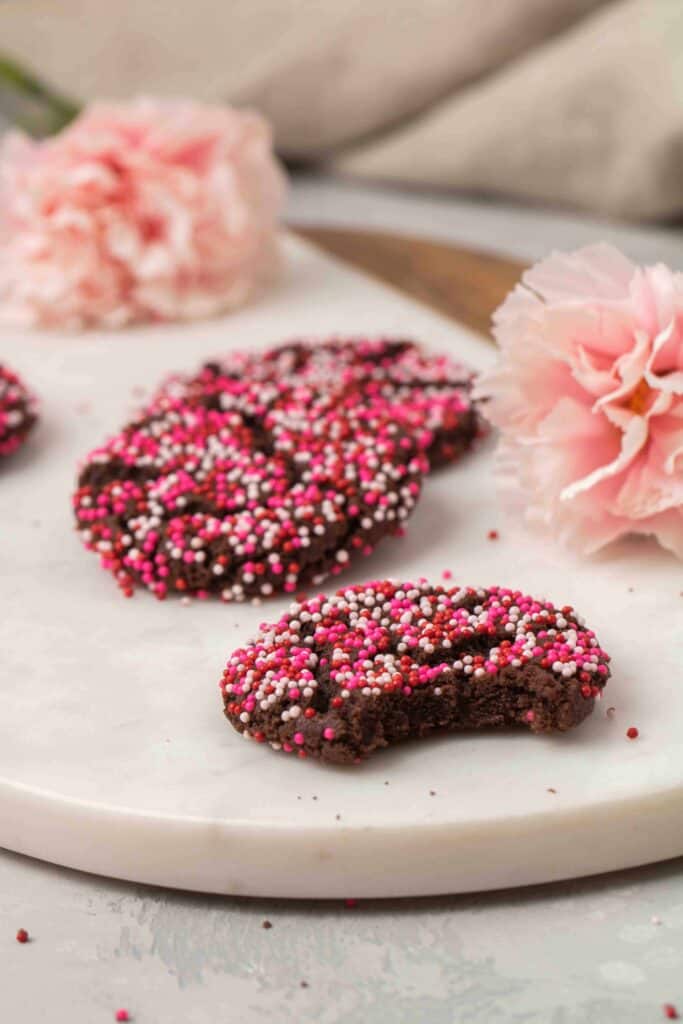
pixel 114 754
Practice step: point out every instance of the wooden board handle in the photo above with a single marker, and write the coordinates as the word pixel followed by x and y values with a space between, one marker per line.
pixel 465 284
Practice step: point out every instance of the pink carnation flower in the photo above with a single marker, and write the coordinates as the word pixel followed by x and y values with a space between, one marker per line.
pixel 138 211
pixel 588 396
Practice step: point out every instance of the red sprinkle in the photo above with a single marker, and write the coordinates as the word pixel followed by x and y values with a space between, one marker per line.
pixel 670 1011
pixel 632 733
pixel 493 535
pixel 122 1015
pixel 22 935
pixel 351 903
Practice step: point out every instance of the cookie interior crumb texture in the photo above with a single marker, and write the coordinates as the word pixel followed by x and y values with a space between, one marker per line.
pixel 339 677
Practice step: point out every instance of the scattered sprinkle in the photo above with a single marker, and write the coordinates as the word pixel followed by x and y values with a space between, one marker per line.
pixel 655 920
pixel 632 733
pixel 447 574
pixel 122 1015
pixel 22 935
pixel 493 535
pixel 351 903
pixel 670 1011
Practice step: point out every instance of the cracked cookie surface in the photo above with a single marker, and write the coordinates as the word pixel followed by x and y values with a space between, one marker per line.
pixel 428 394
pixel 339 677
pixel 243 490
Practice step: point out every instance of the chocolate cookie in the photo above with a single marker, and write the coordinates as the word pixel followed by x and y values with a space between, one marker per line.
pixel 428 394
pixel 17 411
pixel 244 492
pixel 339 677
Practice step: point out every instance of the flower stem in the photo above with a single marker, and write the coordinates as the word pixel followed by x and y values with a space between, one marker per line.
pixel 30 104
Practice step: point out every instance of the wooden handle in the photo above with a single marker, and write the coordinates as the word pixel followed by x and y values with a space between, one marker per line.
pixel 465 284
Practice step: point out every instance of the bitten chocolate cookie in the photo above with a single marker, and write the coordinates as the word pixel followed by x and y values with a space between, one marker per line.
pixel 17 411
pixel 339 677
pixel 246 496
pixel 428 394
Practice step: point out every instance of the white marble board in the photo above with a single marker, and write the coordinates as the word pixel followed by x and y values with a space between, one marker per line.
pixel 115 757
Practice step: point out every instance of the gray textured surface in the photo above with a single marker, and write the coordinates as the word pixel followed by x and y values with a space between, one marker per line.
pixel 578 952
pixel 584 952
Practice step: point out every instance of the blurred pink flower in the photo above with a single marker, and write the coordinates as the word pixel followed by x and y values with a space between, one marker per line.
pixel 149 210
pixel 588 396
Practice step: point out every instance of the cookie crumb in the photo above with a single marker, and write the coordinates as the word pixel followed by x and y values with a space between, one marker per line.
pixel 610 712
pixel 22 935
pixel 632 733
pixel 550 789
pixel 304 984
pixel 655 920
pixel 266 924
pixel 432 792
pixel 337 817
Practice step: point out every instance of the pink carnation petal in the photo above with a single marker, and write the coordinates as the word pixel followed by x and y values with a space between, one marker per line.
pixel 595 273
pixel 673 380
pixel 141 211
pixel 633 439
pixel 588 396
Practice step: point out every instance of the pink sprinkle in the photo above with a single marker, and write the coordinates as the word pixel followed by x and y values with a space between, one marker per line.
pixel 299 739
pixel 122 1015
pixel 328 733
pixel 447 574
pixel 530 716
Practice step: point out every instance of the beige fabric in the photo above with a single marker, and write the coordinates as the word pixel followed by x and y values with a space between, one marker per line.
pixel 576 102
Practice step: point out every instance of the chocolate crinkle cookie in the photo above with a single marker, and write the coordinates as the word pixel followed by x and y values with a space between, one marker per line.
pixel 339 677
pixel 17 411
pixel 243 490
pixel 428 394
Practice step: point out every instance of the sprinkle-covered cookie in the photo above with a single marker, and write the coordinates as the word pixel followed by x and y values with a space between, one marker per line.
pixel 428 394
pixel 339 677
pixel 17 411
pixel 245 492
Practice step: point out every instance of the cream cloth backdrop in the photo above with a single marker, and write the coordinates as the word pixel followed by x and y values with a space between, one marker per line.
pixel 577 102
